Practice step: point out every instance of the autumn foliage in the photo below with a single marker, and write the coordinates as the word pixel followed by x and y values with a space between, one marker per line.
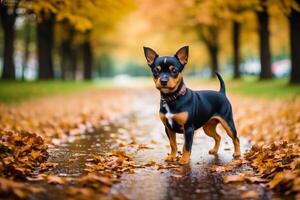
pixel 275 135
pixel 69 40
pixel 26 133
pixel 71 37
pixel 21 153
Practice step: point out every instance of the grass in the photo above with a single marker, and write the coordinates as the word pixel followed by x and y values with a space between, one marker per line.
pixel 12 92
pixel 19 91
pixel 277 88
pixel 251 86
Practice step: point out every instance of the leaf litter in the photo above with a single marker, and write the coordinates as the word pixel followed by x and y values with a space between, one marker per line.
pixel 26 131
pixel 274 134
pixel 274 131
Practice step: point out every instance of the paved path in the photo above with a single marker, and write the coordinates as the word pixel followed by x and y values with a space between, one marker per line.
pixel 194 181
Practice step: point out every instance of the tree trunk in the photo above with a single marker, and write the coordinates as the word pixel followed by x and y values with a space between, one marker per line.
pixel 87 60
pixel 264 43
pixel 213 54
pixel 294 21
pixel 68 52
pixel 44 47
pixel 74 62
pixel 65 58
pixel 26 48
pixel 8 23
pixel 69 60
pixel 236 49
pixel 209 36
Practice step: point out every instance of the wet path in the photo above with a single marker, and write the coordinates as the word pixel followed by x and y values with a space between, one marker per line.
pixel 142 126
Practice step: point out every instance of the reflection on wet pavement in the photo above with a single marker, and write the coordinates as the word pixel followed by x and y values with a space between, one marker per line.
pixel 194 181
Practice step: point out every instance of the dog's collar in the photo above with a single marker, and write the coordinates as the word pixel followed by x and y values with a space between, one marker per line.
pixel 175 95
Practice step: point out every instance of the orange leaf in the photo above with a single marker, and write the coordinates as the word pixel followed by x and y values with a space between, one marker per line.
pixel 234 178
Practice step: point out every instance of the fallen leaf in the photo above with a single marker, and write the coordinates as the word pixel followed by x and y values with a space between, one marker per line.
pixel 47 165
pixel 150 163
pixel 236 162
pixel 153 142
pixel 281 178
pixel 250 195
pixel 84 192
pixel 143 146
pixel 18 189
pixel 22 153
pixel 253 179
pixel 53 179
pixel 119 197
pixel 39 177
pixel 177 175
pixel 95 178
pixel 217 168
pixel 233 178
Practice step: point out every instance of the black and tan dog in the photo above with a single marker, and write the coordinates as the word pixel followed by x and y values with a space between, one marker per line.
pixel 183 110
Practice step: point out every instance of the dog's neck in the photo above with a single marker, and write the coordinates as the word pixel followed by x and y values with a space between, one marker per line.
pixel 171 97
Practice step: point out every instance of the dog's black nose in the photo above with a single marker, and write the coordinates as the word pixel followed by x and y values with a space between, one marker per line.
pixel 164 81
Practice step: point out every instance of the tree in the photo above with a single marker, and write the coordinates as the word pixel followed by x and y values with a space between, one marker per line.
pixel 102 17
pixel 45 30
pixel 45 12
pixel 236 29
pixel 237 8
pixel 207 21
pixel 234 12
pixel 87 59
pixel 85 26
pixel 68 50
pixel 8 13
pixel 264 41
pixel 27 39
pixel 209 35
pixel 210 18
pixel 291 10
pixel 294 22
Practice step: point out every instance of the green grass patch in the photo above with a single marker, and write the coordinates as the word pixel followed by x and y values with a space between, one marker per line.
pixel 12 92
pixel 277 88
pixel 18 91
pixel 252 86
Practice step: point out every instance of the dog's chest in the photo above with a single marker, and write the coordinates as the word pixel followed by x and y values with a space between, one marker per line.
pixel 175 121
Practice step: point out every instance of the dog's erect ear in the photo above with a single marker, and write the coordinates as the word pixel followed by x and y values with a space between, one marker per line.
pixel 182 55
pixel 150 55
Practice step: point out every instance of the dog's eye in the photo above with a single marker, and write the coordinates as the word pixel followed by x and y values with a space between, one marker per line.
pixel 156 71
pixel 174 71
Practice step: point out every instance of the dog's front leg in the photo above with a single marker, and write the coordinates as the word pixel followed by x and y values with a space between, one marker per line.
pixel 172 138
pixel 187 147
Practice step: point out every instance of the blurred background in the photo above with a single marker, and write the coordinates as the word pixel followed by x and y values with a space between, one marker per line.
pixel 50 47
pixel 92 39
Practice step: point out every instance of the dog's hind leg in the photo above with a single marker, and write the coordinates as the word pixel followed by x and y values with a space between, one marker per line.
pixel 210 130
pixel 233 134
pixel 229 127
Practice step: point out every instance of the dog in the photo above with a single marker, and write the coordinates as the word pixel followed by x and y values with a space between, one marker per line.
pixel 183 110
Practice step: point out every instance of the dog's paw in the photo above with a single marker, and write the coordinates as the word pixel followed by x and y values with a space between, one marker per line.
pixel 213 151
pixel 170 158
pixel 184 161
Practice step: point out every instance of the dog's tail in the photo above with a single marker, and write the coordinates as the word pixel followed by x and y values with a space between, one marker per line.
pixel 222 84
